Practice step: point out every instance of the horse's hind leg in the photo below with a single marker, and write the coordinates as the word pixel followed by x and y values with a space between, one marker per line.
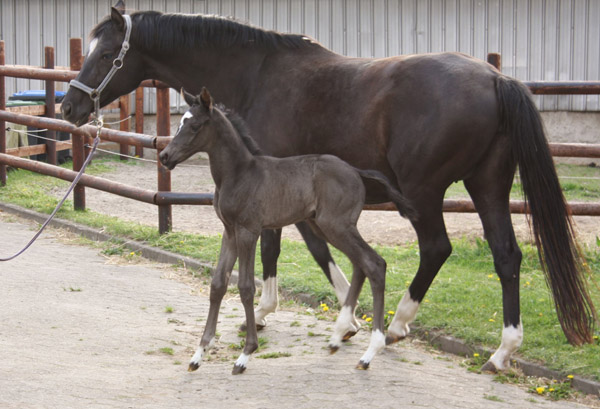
pixel 246 245
pixel 218 288
pixel 434 249
pixel 490 191
pixel 270 247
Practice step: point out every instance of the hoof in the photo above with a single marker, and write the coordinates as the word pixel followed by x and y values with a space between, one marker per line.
pixel 193 366
pixel 362 365
pixel 244 327
pixel 238 369
pixel 392 339
pixel 489 367
pixel 333 349
pixel 348 335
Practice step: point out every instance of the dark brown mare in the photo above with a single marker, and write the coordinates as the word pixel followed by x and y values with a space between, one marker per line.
pixel 254 192
pixel 424 121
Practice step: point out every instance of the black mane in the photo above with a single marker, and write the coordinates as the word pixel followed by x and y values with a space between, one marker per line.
pixel 242 130
pixel 186 31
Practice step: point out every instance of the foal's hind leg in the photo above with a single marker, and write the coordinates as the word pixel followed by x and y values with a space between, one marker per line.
pixel 218 288
pixel 367 263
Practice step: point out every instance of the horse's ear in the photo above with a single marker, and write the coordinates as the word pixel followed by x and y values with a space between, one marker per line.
pixel 189 98
pixel 206 99
pixel 120 6
pixel 117 18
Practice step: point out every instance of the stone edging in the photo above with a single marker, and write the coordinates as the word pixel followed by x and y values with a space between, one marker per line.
pixel 443 342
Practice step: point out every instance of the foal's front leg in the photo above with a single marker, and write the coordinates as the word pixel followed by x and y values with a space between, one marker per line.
pixel 218 288
pixel 246 246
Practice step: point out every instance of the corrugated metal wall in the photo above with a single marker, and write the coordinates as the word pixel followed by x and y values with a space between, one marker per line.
pixel 538 39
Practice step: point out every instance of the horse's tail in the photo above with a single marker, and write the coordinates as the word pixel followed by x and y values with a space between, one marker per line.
pixel 402 203
pixel 553 230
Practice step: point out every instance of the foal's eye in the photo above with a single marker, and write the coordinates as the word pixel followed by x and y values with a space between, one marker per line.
pixel 107 56
pixel 196 127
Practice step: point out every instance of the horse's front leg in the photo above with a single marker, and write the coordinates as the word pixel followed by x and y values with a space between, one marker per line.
pixel 246 246
pixel 218 288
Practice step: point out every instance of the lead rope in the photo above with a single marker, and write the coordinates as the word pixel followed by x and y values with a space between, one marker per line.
pixel 59 205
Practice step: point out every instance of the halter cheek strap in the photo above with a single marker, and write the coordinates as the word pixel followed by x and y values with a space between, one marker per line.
pixel 94 93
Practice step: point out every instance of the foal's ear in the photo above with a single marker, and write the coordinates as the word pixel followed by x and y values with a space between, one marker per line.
pixel 117 18
pixel 206 99
pixel 189 98
pixel 120 6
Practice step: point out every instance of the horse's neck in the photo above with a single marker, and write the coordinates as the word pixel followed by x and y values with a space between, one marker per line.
pixel 227 73
pixel 228 155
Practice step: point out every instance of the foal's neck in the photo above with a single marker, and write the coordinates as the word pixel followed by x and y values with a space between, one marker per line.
pixel 228 156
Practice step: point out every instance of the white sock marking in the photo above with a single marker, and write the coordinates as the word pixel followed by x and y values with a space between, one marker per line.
pixel 343 324
pixel 269 299
pixel 340 282
pixel 405 314
pixel 377 344
pixel 242 360
pixel 197 358
pixel 511 341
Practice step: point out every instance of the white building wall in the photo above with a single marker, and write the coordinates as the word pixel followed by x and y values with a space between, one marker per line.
pixel 538 39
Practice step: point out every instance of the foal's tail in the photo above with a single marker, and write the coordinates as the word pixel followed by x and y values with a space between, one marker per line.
pixel 552 225
pixel 403 205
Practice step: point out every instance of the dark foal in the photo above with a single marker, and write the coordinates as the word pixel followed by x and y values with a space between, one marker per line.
pixel 255 192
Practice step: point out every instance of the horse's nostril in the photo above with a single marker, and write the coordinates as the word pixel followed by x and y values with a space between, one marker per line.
pixel 163 157
pixel 66 108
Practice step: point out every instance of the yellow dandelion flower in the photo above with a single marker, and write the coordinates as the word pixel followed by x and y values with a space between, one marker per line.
pixel 392 313
pixel 570 376
pixel 540 389
pixel 325 308
pixel 364 316
pixel 551 390
pixel 476 355
pixel 132 253
pixel 426 301
pixel 369 319
pixel 541 314
pixel 492 320
pixel 490 276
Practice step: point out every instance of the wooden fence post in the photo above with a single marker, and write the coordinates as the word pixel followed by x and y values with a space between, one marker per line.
pixel 139 118
pixel 2 122
pixel 50 107
pixel 495 60
pixel 77 141
pixel 124 124
pixel 163 128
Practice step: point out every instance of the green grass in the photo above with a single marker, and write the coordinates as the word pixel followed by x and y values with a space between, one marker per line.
pixel 464 300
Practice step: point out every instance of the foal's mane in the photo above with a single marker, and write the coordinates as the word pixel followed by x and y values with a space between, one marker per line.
pixel 187 31
pixel 242 130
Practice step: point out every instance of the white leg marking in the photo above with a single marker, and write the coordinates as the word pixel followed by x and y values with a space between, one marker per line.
pixel 93 45
pixel 511 341
pixel 242 360
pixel 268 301
pixel 341 287
pixel 340 282
pixel 377 344
pixel 200 352
pixel 405 314
pixel 342 326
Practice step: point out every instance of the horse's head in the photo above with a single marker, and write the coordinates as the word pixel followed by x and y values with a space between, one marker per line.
pixel 195 130
pixel 107 49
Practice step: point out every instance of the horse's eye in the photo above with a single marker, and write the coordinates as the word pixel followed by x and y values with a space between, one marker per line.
pixel 107 56
pixel 196 127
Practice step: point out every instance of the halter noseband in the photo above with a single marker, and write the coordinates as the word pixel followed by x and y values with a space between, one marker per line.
pixel 94 93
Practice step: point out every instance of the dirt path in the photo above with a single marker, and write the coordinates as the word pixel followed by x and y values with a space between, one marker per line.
pixel 80 330
pixel 194 176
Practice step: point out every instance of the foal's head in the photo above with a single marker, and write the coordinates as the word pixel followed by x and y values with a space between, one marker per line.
pixel 196 130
